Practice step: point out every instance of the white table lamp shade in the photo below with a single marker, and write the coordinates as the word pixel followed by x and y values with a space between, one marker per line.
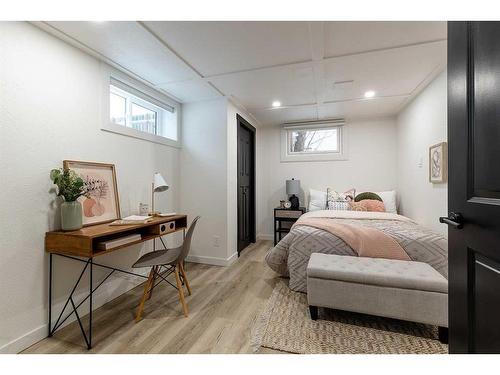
pixel 159 183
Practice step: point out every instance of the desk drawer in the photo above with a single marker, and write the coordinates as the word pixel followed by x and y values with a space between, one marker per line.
pixel 288 214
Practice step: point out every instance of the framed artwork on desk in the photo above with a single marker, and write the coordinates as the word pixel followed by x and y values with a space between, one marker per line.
pixel 100 204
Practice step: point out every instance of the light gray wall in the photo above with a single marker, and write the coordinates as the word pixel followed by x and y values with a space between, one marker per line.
pixel 50 110
pixel 371 165
pixel 420 124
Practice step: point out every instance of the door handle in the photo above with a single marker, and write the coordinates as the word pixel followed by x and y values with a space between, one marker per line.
pixel 454 219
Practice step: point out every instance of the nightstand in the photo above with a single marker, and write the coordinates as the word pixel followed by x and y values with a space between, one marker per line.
pixel 284 219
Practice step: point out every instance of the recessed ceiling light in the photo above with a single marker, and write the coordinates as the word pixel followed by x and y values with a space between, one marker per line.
pixel 276 104
pixel 369 94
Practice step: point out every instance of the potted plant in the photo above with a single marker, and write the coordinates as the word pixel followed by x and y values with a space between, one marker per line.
pixel 70 186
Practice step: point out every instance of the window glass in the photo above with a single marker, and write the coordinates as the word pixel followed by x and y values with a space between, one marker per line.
pixel 313 140
pixel 136 110
pixel 143 119
pixel 117 109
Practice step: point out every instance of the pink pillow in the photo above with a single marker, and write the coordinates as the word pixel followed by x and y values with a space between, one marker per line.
pixel 367 205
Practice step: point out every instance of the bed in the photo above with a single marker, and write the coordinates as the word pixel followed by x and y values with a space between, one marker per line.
pixel 291 255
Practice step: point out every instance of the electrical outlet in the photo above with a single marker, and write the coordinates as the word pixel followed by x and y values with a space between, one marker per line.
pixel 216 241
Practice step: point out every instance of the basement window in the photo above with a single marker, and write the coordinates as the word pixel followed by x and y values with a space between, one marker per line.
pixel 141 112
pixel 313 142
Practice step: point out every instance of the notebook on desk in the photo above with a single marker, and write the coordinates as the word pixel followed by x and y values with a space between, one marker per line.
pixel 133 219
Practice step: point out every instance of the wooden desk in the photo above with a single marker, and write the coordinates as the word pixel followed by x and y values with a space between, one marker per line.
pixel 82 245
pixel 83 242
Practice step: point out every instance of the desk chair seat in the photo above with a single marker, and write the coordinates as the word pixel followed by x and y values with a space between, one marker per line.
pixel 154 258
pixel 172 260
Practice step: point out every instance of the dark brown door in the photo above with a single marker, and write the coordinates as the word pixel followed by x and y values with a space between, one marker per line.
pixel 474 186
pixel 246 183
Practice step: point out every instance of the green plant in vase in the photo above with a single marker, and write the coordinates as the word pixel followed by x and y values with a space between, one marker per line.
pixel 70 186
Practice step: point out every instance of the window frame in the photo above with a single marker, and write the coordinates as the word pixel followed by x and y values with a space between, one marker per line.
pixel 144 96
pixel 289 156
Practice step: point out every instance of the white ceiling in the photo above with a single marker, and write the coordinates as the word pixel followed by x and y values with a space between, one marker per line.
pixel 315 69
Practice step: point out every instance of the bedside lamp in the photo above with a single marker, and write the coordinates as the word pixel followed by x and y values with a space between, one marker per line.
pixel 159 184
pixel 293 188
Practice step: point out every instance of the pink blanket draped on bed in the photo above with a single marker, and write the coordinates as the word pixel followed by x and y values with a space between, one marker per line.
pixel 365 241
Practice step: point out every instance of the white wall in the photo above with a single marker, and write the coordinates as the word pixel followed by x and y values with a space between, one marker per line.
pixel 209 177
pixel 204 177
pixel 371 165
pixel 420 124
pixel 50 110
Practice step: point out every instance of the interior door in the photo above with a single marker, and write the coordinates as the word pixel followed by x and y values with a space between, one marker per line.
pixel 474 186
pixel 246 184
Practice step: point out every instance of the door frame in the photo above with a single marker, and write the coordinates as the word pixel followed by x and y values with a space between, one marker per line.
pixel 242 123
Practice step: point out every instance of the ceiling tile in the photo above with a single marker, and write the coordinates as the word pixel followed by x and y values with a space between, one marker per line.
pixel 378 107
pixel 343 38
pixel 191 91
pixel 131 46
pixel 390 72
pixel 258 89
pixel 280 53
pixel 222 47
pixel 282 115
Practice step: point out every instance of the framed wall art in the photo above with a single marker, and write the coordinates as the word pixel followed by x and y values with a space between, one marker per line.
pixel 438 163
pixel 100 204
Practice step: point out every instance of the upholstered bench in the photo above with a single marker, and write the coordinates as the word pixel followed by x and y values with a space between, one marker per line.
pixel 405 290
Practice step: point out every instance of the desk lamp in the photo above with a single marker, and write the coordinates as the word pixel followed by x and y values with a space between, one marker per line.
pixel 159 184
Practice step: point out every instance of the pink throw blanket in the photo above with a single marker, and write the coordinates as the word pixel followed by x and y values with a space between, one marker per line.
pixel 365 241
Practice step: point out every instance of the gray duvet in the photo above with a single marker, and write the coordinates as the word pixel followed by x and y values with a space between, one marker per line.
pixel 291 255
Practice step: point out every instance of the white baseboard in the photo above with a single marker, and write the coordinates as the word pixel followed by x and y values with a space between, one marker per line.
pixel 109 291
pixel 265 237
pixel 214 261
pixel 25 341
pixel 232 259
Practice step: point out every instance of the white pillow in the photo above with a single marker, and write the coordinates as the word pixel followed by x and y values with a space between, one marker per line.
pixel 389 199
pixel 317 200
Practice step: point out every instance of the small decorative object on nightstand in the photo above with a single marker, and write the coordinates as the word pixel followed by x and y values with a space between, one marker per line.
pixel 284 219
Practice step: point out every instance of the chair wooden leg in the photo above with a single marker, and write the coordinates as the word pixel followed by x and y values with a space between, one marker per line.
pixel 155 270
pixel 147 288
pixel 183 273
pixel 181 292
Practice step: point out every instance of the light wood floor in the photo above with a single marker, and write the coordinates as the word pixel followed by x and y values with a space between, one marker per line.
pixel 222 310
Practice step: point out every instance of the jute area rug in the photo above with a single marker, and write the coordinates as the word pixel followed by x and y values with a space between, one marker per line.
pixel 285 325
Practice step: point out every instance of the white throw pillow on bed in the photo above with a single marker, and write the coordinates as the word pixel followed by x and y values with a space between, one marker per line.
pixel 389 199
pixel 317 200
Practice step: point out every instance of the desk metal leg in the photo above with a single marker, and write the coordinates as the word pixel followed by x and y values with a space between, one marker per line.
pixel 89 345
pixel 50 294
pixel 89 263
